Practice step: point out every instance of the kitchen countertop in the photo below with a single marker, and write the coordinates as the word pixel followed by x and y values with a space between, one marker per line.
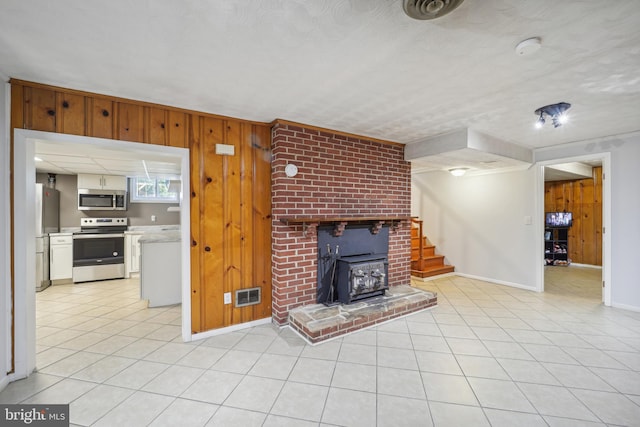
pixel 161 237
pixel 152 228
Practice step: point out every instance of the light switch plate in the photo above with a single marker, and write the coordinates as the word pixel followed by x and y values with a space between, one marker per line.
pixel 227 297
pixel 527 220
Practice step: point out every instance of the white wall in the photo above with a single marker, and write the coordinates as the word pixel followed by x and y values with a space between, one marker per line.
pixel 625 209
pixel 5 274
pixel 478 223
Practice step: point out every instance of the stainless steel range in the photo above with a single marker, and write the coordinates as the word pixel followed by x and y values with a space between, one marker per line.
pixel 98 249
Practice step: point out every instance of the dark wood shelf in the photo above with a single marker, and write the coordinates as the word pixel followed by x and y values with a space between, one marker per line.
pixel 320 220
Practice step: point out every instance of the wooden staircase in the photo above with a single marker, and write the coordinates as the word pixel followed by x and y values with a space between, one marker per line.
pixel 424 261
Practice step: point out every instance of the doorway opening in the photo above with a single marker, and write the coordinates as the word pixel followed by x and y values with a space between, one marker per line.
pixel 573 251
pixel 24 233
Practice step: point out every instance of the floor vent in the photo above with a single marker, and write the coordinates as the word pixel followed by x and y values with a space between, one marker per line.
pixel 246 297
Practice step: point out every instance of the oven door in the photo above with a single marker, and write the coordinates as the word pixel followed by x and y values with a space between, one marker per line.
pixel 98 257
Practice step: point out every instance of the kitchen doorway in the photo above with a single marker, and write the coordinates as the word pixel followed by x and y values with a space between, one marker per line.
pixel 552 246
pixel 24 235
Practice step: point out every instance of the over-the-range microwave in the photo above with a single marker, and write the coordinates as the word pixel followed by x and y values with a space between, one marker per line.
pixel 102 200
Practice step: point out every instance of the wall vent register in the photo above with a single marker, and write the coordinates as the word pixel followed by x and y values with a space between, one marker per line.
pixel 246 297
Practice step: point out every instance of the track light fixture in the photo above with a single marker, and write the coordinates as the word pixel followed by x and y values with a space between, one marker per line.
pixel 557 112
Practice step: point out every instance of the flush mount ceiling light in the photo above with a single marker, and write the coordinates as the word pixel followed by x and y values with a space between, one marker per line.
pixel 458 171
pixel 557 112
pixel 429 9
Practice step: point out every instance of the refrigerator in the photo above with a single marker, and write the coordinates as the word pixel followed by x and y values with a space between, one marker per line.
pixel 47 209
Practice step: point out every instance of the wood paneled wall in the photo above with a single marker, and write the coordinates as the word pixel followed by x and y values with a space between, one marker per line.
pixel 230 195
pixel 584 199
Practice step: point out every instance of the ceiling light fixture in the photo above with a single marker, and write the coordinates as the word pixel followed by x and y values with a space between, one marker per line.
pixel 557 112
pixel 458 171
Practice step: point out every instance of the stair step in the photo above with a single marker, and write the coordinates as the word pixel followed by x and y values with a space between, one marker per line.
pixel 427 251
pixel 428 262
pixel 433 271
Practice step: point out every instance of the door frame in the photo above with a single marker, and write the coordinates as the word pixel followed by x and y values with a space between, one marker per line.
pixel 606 220
pixel 24 234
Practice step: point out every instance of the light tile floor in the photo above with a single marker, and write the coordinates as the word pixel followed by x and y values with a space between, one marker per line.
pixel 487 355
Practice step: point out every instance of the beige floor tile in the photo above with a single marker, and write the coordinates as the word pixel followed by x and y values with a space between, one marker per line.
pixel 255 394
pixel 185 413
pixel 481 367
pixel 92 405
pixel 556 401
pixel 447 414
pixel 212 387
pixel 400 382
pixel 448 388
pixel 226 416
pixel 138 410
pixel 351 408
pixel 612 408
pixel 301 401
pixel 499 394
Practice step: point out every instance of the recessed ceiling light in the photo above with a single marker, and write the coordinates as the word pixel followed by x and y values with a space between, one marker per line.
pixel 37 159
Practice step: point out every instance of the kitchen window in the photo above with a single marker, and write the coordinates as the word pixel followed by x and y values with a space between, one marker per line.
pixel 154 189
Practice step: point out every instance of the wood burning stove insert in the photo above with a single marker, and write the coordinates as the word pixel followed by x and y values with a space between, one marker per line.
pixel 352 263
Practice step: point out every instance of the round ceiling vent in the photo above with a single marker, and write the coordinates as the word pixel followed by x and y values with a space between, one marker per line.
pixel 429 9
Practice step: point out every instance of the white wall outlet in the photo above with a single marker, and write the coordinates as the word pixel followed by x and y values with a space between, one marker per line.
pixel 227 297
pixel 153 218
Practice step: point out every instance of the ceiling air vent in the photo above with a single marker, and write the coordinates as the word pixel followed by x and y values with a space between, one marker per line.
pixel 429 9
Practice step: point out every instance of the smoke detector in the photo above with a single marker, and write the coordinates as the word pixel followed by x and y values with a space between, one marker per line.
pixel 429 9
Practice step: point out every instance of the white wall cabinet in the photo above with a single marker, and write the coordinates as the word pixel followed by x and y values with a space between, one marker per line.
pixel 60 256
pixel 132 253
pixel 102 182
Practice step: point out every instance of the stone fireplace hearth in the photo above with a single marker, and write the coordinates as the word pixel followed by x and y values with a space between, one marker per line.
pixel 317 323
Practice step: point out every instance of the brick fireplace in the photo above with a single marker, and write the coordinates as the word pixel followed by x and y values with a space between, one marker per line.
pixel 338 176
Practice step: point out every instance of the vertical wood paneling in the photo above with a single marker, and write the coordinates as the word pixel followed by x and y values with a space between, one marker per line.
pixel 230 195
pixel 261 153
pixel 100 118
pixel 130 122
pixel 233 218
pixel 583 199
pixel 212 226
pixel 177 129
pixel 71 114
pixel 246 217
pixel 157 125
pixel 40 109
pixel 196 159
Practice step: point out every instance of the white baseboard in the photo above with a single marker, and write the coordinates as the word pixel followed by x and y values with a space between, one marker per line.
pixel 4 381
pixel 428 279
pixel 625 306
pixel 497 282
pixel 575 264
pixel 226 330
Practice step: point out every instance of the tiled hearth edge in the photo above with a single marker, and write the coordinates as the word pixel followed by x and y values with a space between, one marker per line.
pixel 317 323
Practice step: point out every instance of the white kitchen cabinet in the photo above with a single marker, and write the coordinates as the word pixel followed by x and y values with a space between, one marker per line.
pixel 60 256
pixel 132 253
pixel 160 271
pixel 102 182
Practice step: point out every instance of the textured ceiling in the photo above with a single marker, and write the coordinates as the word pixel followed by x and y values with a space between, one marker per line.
pixel 61 157
pixel 360 66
